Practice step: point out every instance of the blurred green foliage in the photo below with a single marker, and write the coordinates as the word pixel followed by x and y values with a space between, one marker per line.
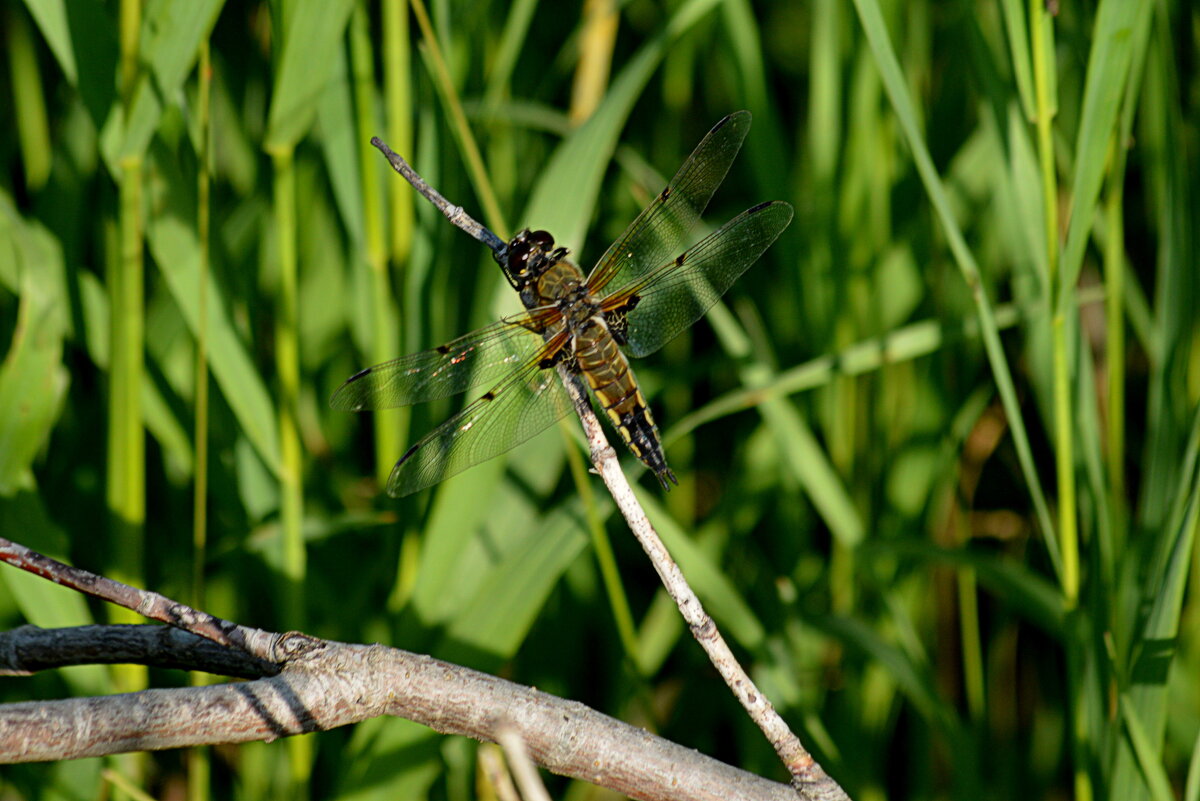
pixel 937 450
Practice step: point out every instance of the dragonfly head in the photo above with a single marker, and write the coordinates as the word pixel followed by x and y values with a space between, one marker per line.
pixel 528 255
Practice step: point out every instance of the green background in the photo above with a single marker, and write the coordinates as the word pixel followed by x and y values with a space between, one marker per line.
pixel 937 450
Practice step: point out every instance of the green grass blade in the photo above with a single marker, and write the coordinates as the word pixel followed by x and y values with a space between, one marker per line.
pixel 504 604
pixel 314 32
pixel 1015 27
pixel 897 90
pixel 385 336
pixel 33 381
pixel 83 38
pixel 1157 645
pixel 798 446
pixel 909 342
pixel 1191 790
pixel 512 41
pixel 29 108
pixel 1149 757
pixel 175 250
pixel 287 364
pixel 1108 73
pixel 578 164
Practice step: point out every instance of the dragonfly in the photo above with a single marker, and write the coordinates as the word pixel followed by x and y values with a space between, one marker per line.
pixel 642 293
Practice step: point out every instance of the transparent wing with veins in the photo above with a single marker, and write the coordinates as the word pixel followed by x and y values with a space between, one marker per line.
pixel 523 404
pixel 678 293
pixel 481 357
pixel 662 229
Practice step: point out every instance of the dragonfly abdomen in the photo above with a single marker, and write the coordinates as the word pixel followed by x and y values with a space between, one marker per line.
pixel 612 380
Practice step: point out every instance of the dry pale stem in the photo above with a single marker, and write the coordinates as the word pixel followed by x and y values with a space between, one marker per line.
pixel 807 776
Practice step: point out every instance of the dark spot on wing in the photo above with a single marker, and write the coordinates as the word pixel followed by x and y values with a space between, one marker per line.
pixel 408 454
pixel 666 193
pixel 359 374
pixel 680 259
pixel 760 206
pixel 488 396
pixel 443 349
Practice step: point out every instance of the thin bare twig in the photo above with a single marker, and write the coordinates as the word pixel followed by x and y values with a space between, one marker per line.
pixel 255 642
pixel 807 775
pixel 520 765
pixel 496 773
pixel 455 214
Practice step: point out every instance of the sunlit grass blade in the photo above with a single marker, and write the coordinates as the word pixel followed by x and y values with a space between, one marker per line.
pixel 293 557
pixel 597 37
pixel 33 381
pixel 307 38
pixel 126 469
pixel 384 327
pixel 1191 791
pixel 506 599
pixel 912 341
pixel 29 108
pixel 397 87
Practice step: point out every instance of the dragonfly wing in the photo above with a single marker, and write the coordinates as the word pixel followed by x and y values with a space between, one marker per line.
pixel 677 294
pixel 662 229
pixel 511 412
pixel 481 357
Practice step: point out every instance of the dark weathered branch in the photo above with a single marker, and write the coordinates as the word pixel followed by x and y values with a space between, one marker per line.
pixel 255 642
pixel 28 649
pixel 329 684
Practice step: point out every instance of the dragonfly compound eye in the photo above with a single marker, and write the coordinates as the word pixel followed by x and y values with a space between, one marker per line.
pixel 542 239
pixel 518 257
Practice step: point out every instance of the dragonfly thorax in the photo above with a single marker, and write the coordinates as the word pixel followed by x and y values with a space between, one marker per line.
pixel 577 305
